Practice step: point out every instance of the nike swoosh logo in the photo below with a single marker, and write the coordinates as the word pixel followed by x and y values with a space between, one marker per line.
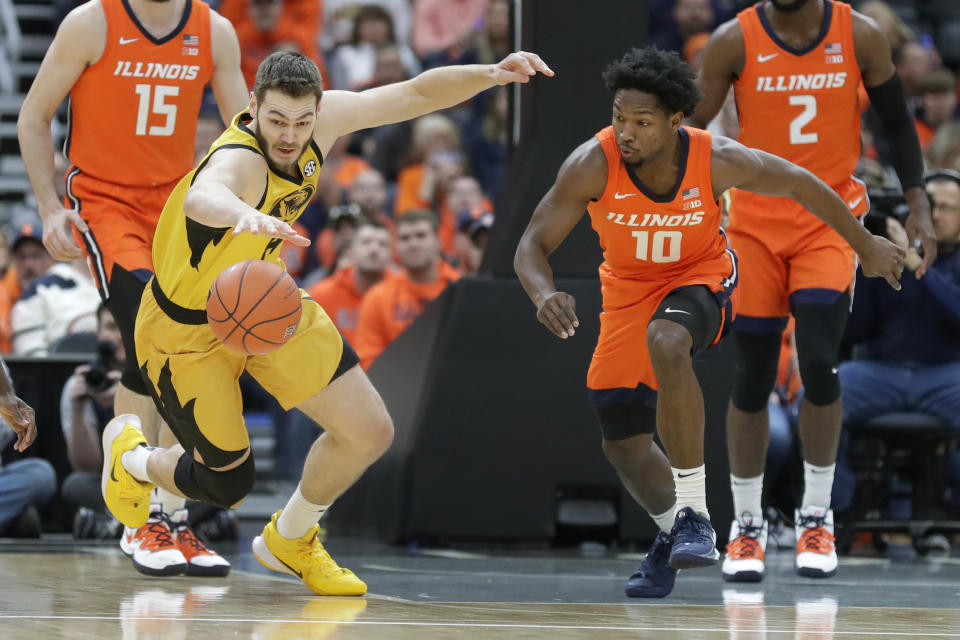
pixel 621 196
pixel 113 475
pixel 853 203
pixel 128 40
pixel 761 58
pixel 686 475
pixel 292 570
pixel 669 310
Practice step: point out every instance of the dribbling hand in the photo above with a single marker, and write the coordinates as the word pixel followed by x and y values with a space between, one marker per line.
pixel 520 67
pixel 558 312
pixel 57 237
pixel 260 224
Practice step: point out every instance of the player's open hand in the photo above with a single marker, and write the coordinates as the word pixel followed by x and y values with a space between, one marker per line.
pixel 920 233
pixel 260 224
pixel 20 416
pixel 884 259
pixel 57 235
pixel 520 67
pixel 558 312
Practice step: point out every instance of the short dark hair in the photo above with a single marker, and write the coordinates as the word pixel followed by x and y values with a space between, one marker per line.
pixel 373 224
pixel 418 215
pixel 657 72
pixel 289 72
pixel 939 81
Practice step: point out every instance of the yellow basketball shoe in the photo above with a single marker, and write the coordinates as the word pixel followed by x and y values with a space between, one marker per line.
pixel 307 559
pixel 127 498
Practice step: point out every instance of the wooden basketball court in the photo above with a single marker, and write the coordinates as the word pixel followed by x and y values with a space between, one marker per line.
pixel 62 589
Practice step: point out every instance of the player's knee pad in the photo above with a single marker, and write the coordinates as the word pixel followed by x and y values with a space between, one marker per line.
pixel 622 421
pixel 756 369
pixel 221 488
pixel 819 332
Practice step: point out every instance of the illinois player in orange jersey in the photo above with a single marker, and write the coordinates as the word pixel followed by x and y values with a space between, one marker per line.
pixel 669 285
pixel 135 71
pixel 796 66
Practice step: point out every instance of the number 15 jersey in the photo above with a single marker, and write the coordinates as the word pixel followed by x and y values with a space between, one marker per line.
pixel 133 113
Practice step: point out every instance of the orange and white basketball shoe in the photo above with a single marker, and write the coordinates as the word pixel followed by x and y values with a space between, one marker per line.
pixel 307 559
pixel 816 546
pixel 201 561
pixel 152 547
pixel 744 560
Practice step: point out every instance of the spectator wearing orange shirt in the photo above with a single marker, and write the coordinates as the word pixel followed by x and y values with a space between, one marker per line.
pixel 340 295
pixel 939 98
pixel 392 306
pixel 266 26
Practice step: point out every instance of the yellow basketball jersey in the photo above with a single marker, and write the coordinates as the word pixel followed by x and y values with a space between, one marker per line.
pixel 188 256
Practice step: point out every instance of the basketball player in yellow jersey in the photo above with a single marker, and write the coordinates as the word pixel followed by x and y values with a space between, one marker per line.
pixel 238 204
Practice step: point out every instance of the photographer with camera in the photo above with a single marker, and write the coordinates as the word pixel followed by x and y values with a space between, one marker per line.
pixel 86 405
pixel 907 341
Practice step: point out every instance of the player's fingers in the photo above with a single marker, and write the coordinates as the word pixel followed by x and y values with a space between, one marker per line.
pixel 507 76
pixel 548 317
pixel 892 281
pixel 74 216
pixel 570 313
pixel 537 63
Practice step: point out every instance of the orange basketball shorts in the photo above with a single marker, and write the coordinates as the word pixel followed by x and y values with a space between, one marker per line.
pixel 788 256
pixel 621 371
pixel 121 222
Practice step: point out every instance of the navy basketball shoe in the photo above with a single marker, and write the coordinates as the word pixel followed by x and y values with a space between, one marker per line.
pixel 694 541
pixel 654 577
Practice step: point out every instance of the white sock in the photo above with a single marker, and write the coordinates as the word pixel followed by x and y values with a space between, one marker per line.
pixel 817 485
pixel 299 516
pixel 691 488
pixel 135 462
pixel 746 498
pixel 665 520
pixel 169 501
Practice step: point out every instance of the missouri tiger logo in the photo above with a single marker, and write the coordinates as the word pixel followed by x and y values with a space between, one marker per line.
pixel 291 205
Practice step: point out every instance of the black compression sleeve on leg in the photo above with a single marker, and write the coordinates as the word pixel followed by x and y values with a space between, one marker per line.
pixel 756 369
pixel 890 103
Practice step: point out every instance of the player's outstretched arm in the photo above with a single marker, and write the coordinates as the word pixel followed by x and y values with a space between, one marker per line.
pixel 229 87
pixel 734 165
pixel 889 101
pixel 345 111
pixel 225 192
pixel 79 41
pixel 723 58
pixel 582 177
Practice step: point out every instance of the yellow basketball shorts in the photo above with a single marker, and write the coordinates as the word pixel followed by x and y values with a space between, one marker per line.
pixel 193 377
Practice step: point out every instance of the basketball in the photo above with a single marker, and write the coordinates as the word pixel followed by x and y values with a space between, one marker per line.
pixel 254 307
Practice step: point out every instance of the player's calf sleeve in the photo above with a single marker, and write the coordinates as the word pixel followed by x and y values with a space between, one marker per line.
pixel 221 488
pixel 756 369
pixel 819 332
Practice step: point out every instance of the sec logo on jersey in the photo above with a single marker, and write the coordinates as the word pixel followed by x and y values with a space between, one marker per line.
pixel 310 168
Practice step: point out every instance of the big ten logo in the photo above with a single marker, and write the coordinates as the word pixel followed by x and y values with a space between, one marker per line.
pixel 190 51
pixel 692 204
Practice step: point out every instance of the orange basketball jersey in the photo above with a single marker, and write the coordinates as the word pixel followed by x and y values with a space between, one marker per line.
pixel 133 113
pixel 802 105
pixel 647 237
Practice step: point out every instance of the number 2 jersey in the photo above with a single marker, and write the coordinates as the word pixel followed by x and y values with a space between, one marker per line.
pixel 133 113
pixel 802 105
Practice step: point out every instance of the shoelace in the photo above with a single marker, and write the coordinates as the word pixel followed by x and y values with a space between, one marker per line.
pixel 815 536
pixel 747 544
pixel 311 552
pixel 187 538
pixel 156 535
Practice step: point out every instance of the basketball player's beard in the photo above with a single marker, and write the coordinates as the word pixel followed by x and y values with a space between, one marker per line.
pixel 788 7
pixel 265 148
